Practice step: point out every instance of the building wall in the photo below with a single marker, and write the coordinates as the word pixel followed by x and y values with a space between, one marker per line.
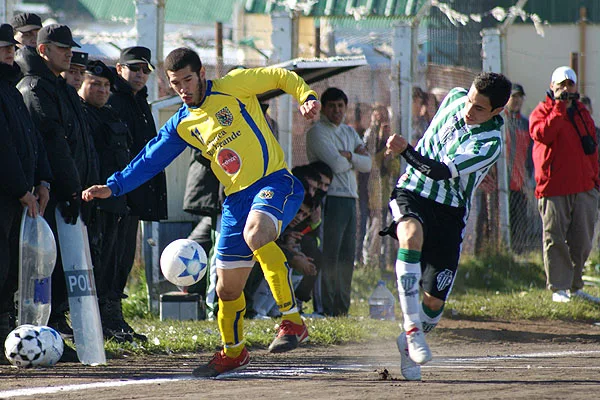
pixel 529 59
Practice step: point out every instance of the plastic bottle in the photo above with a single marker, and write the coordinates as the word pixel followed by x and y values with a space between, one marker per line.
pixel 37 256
pixel 382 303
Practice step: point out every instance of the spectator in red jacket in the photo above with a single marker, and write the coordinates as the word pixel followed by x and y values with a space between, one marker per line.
pixel 565 159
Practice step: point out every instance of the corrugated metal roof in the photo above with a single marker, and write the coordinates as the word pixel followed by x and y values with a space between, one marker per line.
pixel 337 8
pixel 365 23
pixel 209 11
pixel 177 11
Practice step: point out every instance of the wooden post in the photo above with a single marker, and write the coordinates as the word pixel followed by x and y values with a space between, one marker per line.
pixel 219 48
pixel 574 64
pixel 317 39
pixel 582 49
pixel 492 62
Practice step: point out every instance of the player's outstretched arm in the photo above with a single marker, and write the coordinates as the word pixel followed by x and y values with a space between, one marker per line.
pixel 96 192
pixel 310 109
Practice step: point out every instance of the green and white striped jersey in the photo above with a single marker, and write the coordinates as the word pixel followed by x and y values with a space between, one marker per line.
pixel 468 150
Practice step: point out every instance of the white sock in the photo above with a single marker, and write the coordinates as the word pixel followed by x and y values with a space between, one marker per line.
pixel 429 322
pixel 409 276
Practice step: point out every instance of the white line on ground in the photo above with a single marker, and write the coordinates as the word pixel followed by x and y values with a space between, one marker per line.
pixel 549 354
pixel 437 363
pixel 83 386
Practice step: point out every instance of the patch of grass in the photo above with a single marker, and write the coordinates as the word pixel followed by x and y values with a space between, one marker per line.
pixel 498 272
pixel 493 286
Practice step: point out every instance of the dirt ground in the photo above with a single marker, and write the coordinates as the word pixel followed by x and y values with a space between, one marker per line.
pixel 472 360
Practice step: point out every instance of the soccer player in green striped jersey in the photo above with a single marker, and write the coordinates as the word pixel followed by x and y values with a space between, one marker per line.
pixel 431 204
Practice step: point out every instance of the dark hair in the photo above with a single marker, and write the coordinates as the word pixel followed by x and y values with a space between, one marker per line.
pixel 303 172
pixel 322 168
pixel 182 57
pixel 495 87
pixel 418 93
pixel 333 94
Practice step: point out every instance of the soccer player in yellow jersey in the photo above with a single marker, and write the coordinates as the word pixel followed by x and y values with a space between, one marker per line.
pixel 223 119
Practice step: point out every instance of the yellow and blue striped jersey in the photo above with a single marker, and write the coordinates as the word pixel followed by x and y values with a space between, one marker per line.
pixel 228 127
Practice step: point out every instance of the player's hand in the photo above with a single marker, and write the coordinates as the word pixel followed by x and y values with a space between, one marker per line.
pixel 96 192
pixel 346 154
pixel 395 144
pixel 303 264
pixel 43 195
pixel 489 184
pixel 29 200
pixel 295 236
pixel 315 215
pixel 310 109
pixel 361 149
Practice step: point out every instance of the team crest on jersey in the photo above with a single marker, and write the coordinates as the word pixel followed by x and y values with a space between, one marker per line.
pixel 444 279
pixel 224 116
pixel 266 194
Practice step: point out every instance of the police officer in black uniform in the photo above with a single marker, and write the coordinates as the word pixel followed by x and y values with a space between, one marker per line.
pixel 129 100
pixel 110 136
pixel 25 178
pixel 56 111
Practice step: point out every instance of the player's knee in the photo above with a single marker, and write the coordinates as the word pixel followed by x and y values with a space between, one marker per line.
pixel 410 234
pixel 257 236
pixel 227 294
pixel 433 303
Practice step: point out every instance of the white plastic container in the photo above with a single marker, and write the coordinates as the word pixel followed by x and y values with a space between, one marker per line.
pixel 382 303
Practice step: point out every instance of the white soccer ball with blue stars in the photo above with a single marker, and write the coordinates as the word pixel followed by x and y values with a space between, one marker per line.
pixel 53 346
pixel 183 262
pixel 23 347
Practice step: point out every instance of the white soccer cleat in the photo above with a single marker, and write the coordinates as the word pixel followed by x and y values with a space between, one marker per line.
pixel 411 371
pixel 561 296
pixel 418 350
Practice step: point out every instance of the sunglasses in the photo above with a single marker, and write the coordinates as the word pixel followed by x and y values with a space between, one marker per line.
pixel 136 68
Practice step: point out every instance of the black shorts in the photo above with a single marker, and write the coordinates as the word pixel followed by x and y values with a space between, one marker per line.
pixel 443 228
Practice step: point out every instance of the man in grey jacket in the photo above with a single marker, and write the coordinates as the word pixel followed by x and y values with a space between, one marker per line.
pixel 340 147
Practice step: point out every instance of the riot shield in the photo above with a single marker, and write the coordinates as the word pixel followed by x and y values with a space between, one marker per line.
pixel 37 257
pixel 81 288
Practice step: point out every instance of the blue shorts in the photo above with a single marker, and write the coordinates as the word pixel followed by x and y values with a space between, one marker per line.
pixel 279 195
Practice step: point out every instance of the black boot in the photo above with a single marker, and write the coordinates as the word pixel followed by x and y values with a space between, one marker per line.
pixel 5 329
pixel 68 355
pixel 58 321
pixel 117 307
pixel 111 326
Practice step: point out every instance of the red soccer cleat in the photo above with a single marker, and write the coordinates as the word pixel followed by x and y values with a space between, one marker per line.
pixel 290 335
pixel 220 364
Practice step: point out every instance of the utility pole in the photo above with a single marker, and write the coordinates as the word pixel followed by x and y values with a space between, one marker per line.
pixel 219 48
pixel 401 79
pixel 282 39
pixel 492 62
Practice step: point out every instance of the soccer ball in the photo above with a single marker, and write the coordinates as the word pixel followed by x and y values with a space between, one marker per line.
pixel 52 344
pixel 23 347
pixel 183 262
